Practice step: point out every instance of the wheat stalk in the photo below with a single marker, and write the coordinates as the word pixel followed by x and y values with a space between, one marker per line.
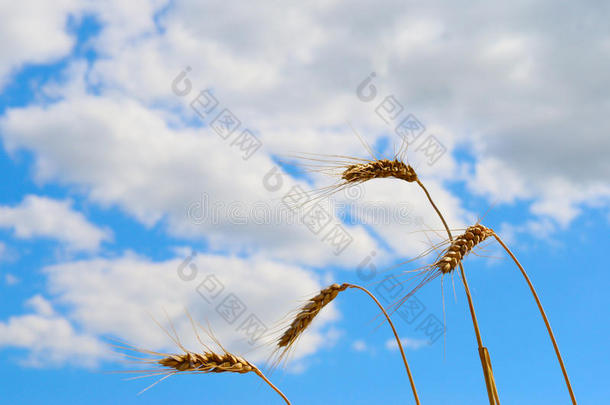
pixel 544 317
pixel 310 310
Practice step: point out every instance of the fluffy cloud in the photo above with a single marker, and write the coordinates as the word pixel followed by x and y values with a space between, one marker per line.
pixel 509 88
pixel 49 218
pixel 294 98
pixel 122 297
pixel 128 156
pixel 359 345
pixel 10 279
pixel 407 343
pixel 50 339
pixel 293 82
pixel 119 296
pixel 34 32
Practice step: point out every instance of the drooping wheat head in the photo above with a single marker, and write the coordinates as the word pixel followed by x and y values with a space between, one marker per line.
pixel 207 362
pixel 307 314
pixel 448 260
pixel 352 171
pixel 313 307
pixel 166 365
pixel 461 246
pixel 378 169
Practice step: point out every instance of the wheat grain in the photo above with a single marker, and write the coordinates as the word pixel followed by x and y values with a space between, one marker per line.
pixel 461 246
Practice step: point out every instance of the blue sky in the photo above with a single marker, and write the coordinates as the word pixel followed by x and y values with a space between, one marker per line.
pixel 105 167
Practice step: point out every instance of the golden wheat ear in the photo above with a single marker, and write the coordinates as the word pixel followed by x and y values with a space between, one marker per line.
pixel 165 365
pixel 461 246
pixel 312 308
pixel 350 171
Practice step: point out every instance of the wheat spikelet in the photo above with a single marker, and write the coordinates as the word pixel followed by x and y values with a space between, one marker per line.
pixel 308 312
pixel 207 362
pixel 461 246
pixel 166 365
pixel 377 169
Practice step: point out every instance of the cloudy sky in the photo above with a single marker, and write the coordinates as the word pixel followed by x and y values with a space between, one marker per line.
pixel 146 159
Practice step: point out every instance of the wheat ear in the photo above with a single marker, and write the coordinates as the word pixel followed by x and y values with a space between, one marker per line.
pixel 309 311
pixel 544 317
pixel 461 246
pixel 377 169
pixel 210 362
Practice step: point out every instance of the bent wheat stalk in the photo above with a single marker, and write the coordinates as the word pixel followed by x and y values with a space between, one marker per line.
pixel 310 310
pixel 490 383
pixel 544 317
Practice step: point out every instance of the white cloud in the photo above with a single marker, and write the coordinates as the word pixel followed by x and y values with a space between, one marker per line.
pixel 299 92
pixel 10 279
pixel 45 217
pixel 407 343
pixel 50 339
pixel 359 345
pixel 33 32
pixel 8 253
pixel 117 297
pixel 154 172
pixel 121 297
pixel 40 306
